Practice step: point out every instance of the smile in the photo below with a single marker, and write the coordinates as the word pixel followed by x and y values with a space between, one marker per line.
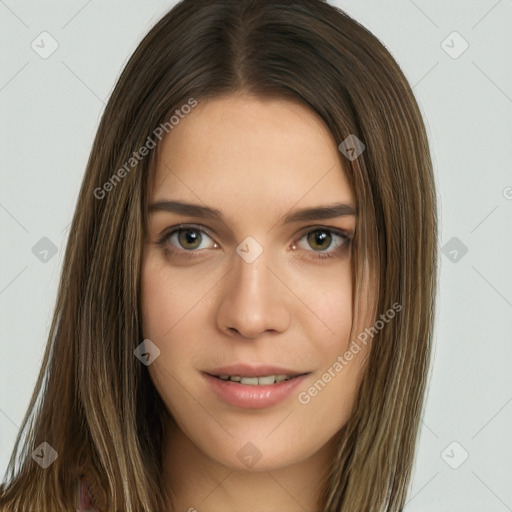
pixel 253 392
pixel 256 381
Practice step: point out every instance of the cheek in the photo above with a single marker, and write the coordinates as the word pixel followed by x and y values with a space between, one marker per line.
pixel 165 317
pixel 330 396
pixel 168 299
pixel 327 310
pixel 175 309
pixel 326 402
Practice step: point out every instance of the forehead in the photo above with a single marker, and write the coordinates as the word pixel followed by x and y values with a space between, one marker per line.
pixel 256 154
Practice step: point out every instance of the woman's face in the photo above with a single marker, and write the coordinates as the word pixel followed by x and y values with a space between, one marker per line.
pixel 247 275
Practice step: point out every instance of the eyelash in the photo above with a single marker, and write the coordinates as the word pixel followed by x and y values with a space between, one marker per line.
pixel 321 255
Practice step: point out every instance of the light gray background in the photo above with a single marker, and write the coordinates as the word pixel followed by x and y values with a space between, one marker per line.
pixel 50 109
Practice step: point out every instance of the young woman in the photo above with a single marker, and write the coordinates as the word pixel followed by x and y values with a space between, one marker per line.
pixel 245 312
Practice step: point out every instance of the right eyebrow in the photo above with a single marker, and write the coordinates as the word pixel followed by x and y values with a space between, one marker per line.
pixel 193 210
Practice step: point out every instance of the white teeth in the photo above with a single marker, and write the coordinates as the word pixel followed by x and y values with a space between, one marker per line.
pixel 256 381
pixel 262 381
pixel 250 381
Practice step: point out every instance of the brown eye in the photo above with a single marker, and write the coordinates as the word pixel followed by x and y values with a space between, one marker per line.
pixel 319 239
pixel 189 238
pixel 324 243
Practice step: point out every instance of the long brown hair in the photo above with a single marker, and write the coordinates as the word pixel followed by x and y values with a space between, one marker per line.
pixel 94 403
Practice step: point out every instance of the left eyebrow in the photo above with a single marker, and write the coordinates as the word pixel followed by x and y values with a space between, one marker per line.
pixel 321 213
pixel 306 214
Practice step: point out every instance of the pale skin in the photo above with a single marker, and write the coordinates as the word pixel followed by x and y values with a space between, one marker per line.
pixel 255 161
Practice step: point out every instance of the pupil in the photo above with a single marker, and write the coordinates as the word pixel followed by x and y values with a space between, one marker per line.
pixel 190 239
pixel 318 239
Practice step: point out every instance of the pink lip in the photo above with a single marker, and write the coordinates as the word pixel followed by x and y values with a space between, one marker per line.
pixel 253 397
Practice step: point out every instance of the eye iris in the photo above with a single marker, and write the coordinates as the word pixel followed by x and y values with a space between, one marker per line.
pixel 319 239
pixel 189 238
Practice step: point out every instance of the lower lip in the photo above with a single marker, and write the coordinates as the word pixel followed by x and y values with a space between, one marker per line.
pixel 253 397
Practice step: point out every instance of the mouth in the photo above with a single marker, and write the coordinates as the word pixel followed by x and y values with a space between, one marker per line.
pixel 253 387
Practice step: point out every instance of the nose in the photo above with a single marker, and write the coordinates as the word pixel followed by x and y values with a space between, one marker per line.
pixel 253 301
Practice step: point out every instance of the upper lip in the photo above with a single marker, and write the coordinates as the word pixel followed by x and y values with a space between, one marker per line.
pixel 252 370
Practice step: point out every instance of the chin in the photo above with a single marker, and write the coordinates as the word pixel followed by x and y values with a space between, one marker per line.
pixel 258 455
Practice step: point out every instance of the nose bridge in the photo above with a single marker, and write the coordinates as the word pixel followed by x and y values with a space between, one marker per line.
pixel 251 278
pixel 252 299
